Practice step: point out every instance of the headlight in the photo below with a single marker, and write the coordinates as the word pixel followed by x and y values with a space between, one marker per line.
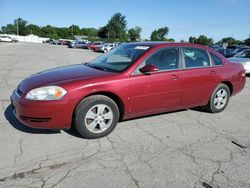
pixel 46 93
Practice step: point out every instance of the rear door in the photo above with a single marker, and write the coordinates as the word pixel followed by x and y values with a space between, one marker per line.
pixel 198 77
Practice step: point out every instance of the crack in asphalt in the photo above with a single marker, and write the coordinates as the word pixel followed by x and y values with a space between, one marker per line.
pixel 20 143
pixel 63 178
pixel 151 135
pixel 130 174
pixel 2 104
pixel 21 175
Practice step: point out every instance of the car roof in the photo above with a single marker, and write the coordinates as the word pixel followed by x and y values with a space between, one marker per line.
pixel 168 44
pixel 246 50
pixel 245 47
pixel 177 44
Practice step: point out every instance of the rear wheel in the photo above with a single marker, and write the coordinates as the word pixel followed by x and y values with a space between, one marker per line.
pixel 96 116
pixel 219 99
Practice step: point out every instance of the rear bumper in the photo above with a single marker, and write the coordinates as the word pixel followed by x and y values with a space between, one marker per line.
pixel 42 114
pixel 247 68
pixel 239 83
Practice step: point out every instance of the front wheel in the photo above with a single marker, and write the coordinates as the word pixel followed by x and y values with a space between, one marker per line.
pixel 96 116
pixel 219 99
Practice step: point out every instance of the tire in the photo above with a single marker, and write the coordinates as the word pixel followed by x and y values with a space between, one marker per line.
pixel 219 99
pixel 96 116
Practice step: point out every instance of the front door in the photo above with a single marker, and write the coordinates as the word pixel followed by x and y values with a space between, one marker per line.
pixel 157 91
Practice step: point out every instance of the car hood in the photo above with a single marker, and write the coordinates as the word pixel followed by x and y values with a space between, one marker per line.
pixel 238 60
pixel 60 75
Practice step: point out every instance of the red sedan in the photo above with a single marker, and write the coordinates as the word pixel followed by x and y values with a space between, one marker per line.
pixel 93 45
pixel 133 80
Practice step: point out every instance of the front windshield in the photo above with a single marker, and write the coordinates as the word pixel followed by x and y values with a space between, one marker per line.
pixel 243 54
pixel 119 58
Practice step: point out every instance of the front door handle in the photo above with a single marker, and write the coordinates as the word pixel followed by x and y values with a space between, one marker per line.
pixel 174 77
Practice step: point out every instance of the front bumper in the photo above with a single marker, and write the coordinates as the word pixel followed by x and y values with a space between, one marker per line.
pixel 42 114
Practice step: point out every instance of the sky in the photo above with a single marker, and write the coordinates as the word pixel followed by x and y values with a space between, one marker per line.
pixel 184 18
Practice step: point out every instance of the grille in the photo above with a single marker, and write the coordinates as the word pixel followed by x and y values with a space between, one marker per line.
pixel 35 119
pixel 19 92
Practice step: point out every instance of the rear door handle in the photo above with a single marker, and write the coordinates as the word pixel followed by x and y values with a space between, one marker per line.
pixel 212 72
pixel 174 77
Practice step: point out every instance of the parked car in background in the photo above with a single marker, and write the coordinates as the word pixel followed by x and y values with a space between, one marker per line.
pixel 243 58
pixel 78 44
pixel 229 52
pixel 56 42
pixel 240 49
pixel 59 42
pixel 117 43
pixel 85 40
pixel 92 46
pixel 97 48
pixel 14 39
pixel 63 42
pixel 49 41
pixel 5 38
pixel 106 47
pixel 72 43
pixel 132 80
pixel 215 47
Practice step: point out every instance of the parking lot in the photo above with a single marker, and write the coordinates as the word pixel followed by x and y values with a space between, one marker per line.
pixel 188 148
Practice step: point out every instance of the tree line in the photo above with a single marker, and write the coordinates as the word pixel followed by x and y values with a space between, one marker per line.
pixel 202 39
pixel 115 30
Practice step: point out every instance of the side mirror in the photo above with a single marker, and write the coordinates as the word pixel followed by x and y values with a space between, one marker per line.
pixel 149 68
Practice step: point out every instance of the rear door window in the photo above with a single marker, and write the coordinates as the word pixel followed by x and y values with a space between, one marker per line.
pixel 194 57
pixel 216 60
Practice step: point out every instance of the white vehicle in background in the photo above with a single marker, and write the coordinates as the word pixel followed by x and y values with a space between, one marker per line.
pixel 243 58
pixel 84 40
pixel 107 47
pixel 5 38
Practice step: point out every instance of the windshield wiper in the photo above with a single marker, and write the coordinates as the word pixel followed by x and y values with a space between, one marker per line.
pixel 96 67
pixel 99 68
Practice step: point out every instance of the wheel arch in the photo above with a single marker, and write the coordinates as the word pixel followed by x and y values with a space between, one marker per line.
pixel 229 85
pixel 111 95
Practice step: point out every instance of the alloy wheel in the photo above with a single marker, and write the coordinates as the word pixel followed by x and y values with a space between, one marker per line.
pixel 99 118
pixel 220 99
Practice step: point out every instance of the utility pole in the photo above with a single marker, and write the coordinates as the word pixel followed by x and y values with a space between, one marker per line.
pixel 17 29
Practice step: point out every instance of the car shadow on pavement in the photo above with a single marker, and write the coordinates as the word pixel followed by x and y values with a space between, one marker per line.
pixel 21 127
pixel 73 132
pixel 201 109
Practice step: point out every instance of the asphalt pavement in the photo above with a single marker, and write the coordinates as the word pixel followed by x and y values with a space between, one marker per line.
pixel 187 148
